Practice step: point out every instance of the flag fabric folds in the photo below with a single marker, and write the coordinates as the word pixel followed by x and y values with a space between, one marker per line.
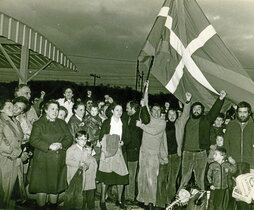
pixel 190 56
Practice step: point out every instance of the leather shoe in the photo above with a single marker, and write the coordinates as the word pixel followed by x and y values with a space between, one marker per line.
pixel 150 206
pixel 103 206
pixel 120 205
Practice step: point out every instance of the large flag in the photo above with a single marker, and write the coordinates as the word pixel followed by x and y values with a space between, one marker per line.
pixel 190 56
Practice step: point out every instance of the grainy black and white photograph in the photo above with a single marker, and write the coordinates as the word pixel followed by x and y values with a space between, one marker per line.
pixel 126 104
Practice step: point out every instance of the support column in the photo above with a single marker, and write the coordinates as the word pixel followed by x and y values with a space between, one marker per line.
pixel 24 65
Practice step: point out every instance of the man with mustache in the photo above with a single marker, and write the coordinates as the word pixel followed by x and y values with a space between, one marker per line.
pixel 239 136
pixel 197 141
pixel 239 142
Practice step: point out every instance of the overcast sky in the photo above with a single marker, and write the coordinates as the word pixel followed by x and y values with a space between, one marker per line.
pixel 92 31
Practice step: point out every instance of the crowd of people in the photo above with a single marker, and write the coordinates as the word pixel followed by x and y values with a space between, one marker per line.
pixel 148 153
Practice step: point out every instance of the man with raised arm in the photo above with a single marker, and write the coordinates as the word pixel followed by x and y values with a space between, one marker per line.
pixel 153 152
pixel 197 141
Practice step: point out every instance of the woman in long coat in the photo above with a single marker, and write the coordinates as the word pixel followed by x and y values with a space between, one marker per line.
pixel 11 136
pixel 50 138
pixel 112 168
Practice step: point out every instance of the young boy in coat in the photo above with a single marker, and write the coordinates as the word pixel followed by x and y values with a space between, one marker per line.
pixel 218 175
pixel 79 155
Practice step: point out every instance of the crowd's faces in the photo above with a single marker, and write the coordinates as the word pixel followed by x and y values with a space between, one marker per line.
pixel 163 116
pixel 89 93
pixel 196 111
pixel 172 115
pixel 101 104
pixel 80 111
pixel 62 114
pixel 94 111
pixel 106 97
pixel 227 121
pixel 218 122
pixel 8 109
pixel 89 150
pixel 117 111
pixel 243 114
pixel 18 108
pixel 68 94
pixel 89 104
pixel 25 92
pixel 130 111
pixel 103 112
pixel 81 140
pixel 219 141
pixel 52 112
pixel 167 104
pixel 218 157
pixel 179 112
pixel 156 112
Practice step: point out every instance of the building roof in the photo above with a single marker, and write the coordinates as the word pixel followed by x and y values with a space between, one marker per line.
pixel 15 34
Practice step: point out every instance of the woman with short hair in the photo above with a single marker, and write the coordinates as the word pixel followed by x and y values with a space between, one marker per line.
pixel 76 121
pixel 50 138
pixel 11 136
pixel 112 167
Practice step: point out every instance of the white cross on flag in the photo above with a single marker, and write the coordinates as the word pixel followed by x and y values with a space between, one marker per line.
pixel 189 56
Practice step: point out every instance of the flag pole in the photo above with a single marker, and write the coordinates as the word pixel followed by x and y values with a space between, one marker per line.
pixel 150 67
pixel 137 74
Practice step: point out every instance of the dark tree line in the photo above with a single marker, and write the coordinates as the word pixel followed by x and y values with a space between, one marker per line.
pixel 54 90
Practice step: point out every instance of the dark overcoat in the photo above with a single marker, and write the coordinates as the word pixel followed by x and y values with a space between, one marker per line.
pixel 75 125
pixel 48 169
pixel 135 133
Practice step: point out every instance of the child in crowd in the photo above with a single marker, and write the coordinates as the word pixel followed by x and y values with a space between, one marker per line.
pixel 79 155
pixel 217 128
pixel 219 143
pixel 90 176
pixel 218 177
pixel 93 125
pixel 62 113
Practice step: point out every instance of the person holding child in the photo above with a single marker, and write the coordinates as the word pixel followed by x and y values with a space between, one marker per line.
pixel 218 175
pixel 79 155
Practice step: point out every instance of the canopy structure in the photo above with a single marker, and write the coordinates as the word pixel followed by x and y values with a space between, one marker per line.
pixel 26 50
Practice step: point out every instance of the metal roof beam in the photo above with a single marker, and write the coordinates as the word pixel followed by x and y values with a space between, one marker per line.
pixel 21 34
pixel 37 72
pixel 11 62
